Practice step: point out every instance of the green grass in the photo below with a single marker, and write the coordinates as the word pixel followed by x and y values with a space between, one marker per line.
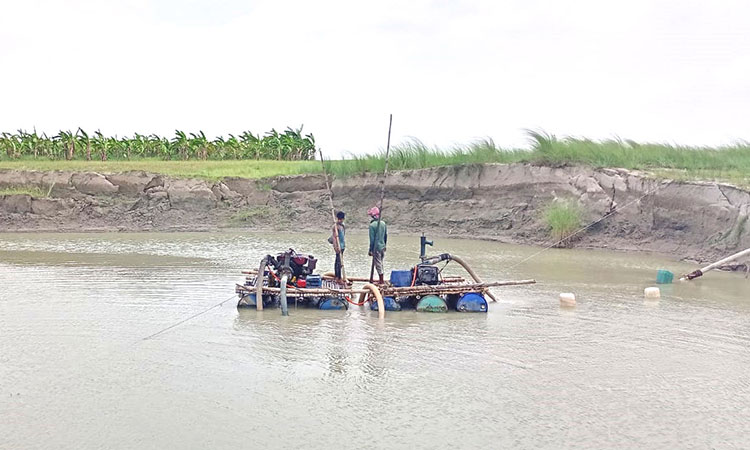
pixel 34 192
pixel 729 163
pixel 413 154
pixel 210 170
pixel 563 218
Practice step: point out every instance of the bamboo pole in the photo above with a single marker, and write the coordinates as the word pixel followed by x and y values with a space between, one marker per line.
pixel 382 192
pixel 399 291
pixel 336 243
pixel 305 291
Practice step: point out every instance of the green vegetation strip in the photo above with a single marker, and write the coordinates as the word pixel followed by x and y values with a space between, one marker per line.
pixel 34 192
pixel 291 145
pixel 209 170
pixel 728 163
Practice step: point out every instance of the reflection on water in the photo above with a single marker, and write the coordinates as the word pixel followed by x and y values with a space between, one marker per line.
pixel 616 371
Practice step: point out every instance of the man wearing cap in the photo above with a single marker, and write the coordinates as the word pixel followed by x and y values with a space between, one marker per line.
pixel 378 239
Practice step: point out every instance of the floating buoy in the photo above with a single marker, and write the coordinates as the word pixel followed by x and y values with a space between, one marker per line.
pixel 567 299
pixel 652 292
pixel 432 303
pixel 664 276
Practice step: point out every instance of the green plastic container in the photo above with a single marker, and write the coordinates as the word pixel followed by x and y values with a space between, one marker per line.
pixel 432 303
pixel 664 277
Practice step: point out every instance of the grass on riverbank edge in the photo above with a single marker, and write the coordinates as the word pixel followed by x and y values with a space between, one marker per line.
pixel 563 218
pixel 34 192
pixel 728 163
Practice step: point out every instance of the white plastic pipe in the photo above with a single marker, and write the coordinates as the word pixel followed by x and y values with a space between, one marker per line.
pixel 718 263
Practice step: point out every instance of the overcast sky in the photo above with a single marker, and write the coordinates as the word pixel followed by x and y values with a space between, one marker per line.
pixel 449 71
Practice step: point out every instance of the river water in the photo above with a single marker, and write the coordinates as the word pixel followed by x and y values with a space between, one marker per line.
pixel 614 372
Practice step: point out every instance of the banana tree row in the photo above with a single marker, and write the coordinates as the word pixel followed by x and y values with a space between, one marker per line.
pixel 289 145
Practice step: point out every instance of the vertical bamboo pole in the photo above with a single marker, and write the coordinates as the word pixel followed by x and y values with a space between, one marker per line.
pixel 382 192
pixel 336 243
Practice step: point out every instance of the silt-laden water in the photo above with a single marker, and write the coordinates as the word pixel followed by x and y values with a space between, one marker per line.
pixel 616 371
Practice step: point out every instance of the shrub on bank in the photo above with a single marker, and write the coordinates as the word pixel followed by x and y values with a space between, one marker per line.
pixel 563 218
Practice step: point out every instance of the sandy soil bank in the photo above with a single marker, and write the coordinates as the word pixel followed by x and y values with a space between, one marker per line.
pixel 693 220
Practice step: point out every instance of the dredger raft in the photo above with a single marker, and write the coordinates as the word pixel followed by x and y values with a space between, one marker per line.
pixel 290 277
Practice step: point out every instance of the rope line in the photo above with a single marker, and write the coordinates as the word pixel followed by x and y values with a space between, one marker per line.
pixel 187 319
pixel 581 230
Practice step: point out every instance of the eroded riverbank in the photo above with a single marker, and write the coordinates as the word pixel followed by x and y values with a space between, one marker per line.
pixel 693 220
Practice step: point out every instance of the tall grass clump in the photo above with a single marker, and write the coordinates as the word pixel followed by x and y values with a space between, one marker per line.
pixel 414 154
pixel 628 154
pixel 563 218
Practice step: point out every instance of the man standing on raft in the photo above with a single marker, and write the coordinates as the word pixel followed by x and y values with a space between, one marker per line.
pixel 378 239
pixel 339 231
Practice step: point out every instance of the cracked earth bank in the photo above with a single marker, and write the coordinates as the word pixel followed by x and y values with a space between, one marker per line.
pixel 693 220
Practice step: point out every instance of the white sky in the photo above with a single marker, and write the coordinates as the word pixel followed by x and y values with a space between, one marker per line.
pixel 449 71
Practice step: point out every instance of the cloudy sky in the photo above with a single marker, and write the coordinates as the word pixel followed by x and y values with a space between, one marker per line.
pixel 449 71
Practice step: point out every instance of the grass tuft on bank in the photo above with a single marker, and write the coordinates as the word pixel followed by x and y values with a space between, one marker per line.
pixel 34 192
pixel 728 163
pixel 563 218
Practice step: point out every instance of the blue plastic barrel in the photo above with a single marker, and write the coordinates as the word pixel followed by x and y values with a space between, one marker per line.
pixel 390 304
pixel 247 300
pixel 332 303
pixel 471 302
pixel 401 278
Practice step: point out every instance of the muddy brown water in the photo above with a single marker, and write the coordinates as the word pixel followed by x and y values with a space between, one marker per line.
pixel 616 371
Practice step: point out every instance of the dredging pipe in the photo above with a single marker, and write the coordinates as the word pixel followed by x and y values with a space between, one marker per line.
pixel 374 290
pixel 378 298
pixel 286 272
pixel 462 263
pixel 698 273
pixel 259 284
pixel 282 295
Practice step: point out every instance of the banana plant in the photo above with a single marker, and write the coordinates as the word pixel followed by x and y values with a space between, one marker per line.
pixel 162 147
pixel 199 145
pixel 68 141
pixel 102 144
pixel 181 144
pixel 233 144
pixel 251 145
pixel 33 142
pixel 10 144
pixel 84 141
